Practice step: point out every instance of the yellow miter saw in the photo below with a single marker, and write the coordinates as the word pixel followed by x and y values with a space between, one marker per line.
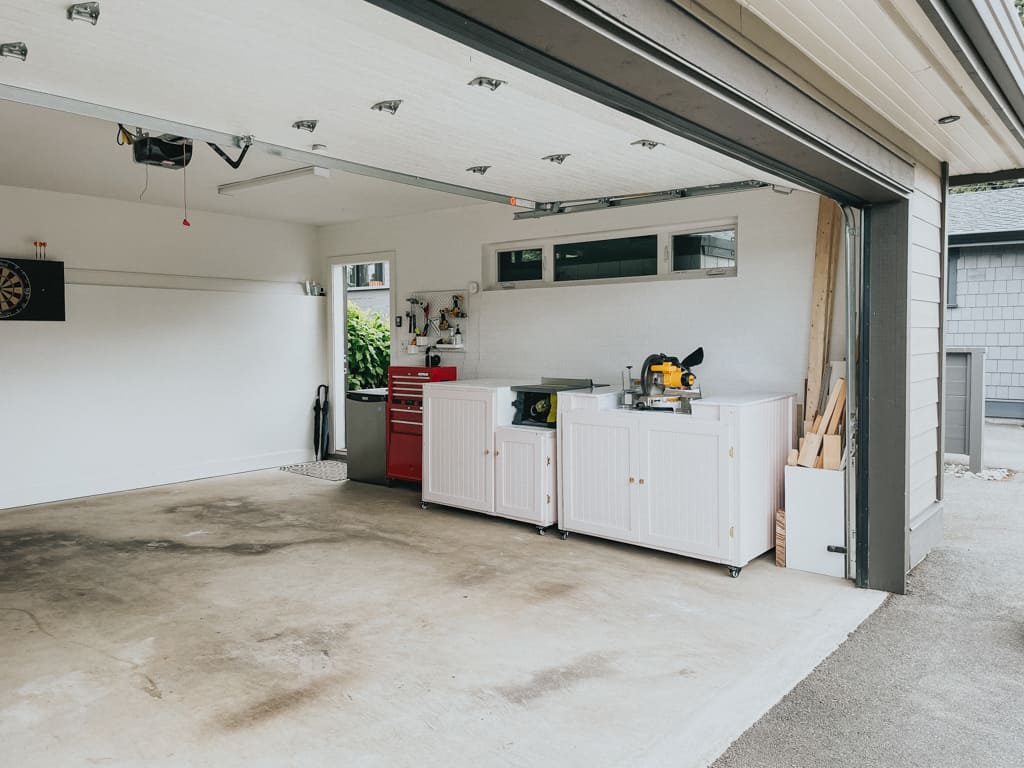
pixel 668 384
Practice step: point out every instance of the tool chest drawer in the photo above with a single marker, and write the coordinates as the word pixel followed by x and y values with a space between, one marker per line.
pixel 405 417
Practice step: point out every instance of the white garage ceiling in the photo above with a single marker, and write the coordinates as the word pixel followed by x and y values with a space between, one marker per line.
pixel 56 151
pixel 254 68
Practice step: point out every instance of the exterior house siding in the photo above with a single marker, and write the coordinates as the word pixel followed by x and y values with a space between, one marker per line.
pixel 925 329
pixel 988 311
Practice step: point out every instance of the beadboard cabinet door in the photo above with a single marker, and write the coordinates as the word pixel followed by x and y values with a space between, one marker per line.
pixel 684 487
pixel 458 442
pixel 524 475
pixel 599 472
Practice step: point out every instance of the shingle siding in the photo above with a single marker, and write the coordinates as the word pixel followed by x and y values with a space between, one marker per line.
pixel 990 313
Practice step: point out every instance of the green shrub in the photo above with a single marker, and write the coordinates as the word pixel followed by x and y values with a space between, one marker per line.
pixel 369 349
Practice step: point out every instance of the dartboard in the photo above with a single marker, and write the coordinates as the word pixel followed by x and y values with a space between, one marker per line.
pixel 15 289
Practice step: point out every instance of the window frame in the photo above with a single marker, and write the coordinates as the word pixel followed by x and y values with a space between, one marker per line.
pixel 952 262
pixel 664 233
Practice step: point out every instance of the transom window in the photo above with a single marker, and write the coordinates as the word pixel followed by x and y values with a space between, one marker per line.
pixel 704 250
pixel 655 253
pixel 521 264
pixel 603 259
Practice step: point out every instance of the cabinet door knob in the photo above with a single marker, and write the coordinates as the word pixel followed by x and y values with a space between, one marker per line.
pixel 497 454
pixel 641 481
pixel 632 479
pixel 487 451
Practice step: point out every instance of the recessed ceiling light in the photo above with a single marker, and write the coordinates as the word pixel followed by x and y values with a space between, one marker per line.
pixel 646 143
pixel 948 119
pixel 89 12
pixel 559 159
pixel 305 125
pixel 14 50
pixel 480 169
pixel 319 147
pixel 488 82
pixel 391 107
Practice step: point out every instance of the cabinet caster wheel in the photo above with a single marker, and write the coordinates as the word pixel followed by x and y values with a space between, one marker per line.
pixel 540 531
pixel 565 535
pixel 734 571
pixel 424 505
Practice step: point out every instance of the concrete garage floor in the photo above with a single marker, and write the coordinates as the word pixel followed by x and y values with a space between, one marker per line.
pixel 269 619
pixel 933 678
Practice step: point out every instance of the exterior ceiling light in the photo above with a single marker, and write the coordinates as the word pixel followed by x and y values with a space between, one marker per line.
pixel 14 50
pixel 488 82
pixel 646 143
pixel 479 169
pixel 305 125
pixel 89 12
pixel 557 159
pixel 948 119
pixel 391 107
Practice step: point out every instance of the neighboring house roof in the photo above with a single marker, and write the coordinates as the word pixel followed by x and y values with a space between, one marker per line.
pixel 995 210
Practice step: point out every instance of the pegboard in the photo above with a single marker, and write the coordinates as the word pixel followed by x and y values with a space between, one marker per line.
pixel 444 308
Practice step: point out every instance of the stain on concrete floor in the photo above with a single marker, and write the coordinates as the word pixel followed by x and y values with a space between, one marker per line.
pixel 557 679
pixel 259 620
pixel 273 705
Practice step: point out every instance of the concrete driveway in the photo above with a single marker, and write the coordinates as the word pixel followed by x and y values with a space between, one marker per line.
pixel 933 678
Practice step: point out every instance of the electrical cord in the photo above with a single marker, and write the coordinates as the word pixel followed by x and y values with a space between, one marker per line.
pixel 123 137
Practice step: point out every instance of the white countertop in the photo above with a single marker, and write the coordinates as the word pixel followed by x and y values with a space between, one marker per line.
pixel 478 383
pixel 744 398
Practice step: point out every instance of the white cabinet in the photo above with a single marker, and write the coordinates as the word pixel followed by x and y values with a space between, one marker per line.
pixel 705 485
pixel 474 459
pixel 524 475
pixel 458 442
pixel 598 474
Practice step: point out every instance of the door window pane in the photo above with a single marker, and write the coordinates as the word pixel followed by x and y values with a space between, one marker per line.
pixel 524 264
pixel 704 250
pixel 599 259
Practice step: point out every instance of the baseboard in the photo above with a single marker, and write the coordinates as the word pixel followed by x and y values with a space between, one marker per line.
pixel 925 532
pixel 146 476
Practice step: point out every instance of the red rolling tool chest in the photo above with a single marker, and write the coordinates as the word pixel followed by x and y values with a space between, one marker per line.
pixel 404 417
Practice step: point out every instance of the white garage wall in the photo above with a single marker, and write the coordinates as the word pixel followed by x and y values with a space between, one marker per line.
pixel 143 386
pixel 753 327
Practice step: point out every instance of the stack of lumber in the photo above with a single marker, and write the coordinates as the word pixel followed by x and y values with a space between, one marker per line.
pixel 822 444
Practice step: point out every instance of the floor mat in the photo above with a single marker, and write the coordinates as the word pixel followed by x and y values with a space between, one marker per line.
pixel 322 470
